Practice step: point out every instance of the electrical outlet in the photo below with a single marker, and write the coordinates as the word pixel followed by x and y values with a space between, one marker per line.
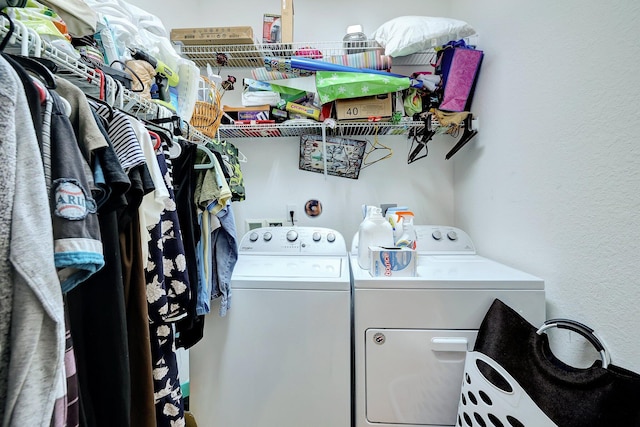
pixel 251 224
pixel 291 207
pixel 274 222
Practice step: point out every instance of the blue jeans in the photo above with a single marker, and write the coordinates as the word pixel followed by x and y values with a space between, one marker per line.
pixel 219 256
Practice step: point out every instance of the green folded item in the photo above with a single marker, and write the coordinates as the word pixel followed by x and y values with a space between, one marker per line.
pixel 332 85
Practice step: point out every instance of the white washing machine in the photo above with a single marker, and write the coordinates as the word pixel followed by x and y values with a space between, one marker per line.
pixel 281 357
pixel 411 333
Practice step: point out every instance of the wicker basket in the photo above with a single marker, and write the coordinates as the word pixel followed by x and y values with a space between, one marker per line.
pixel 207 113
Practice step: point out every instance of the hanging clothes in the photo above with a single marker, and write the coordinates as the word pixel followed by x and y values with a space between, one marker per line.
pixel 140 359
pixel 154 203
pixel 85 127
pixel 217 248
pixel 168 294
pixel 225 252
pixel 31 93
pixel 32 376
pixel 99 330
pixel 67 412
pixel 113 263
pixel 77 236
pixel 190 329
pixel 125 192
pixel 230 163
pixel 97 304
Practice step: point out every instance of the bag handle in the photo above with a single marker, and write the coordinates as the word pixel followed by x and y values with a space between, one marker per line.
pixel 581 329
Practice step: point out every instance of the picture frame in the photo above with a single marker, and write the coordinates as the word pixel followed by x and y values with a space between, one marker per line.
pixel 343 155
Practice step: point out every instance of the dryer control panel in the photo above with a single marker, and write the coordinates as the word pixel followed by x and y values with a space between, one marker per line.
pixel 293 240
pixel 443 239
pixel 437 240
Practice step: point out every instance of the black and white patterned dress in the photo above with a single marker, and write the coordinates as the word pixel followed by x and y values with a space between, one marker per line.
pixel 168 294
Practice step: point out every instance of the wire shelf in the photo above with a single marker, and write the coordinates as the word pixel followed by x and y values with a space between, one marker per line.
pixel 253 55
pixel 298 129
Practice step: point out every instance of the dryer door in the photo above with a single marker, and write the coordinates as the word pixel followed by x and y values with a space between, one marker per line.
pixel 414 376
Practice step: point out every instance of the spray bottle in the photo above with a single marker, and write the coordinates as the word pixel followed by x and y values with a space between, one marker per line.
pixel 408 238
pixel 395 220
pixel 374 230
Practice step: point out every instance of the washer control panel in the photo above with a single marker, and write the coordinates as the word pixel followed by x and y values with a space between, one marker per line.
pixel 301 240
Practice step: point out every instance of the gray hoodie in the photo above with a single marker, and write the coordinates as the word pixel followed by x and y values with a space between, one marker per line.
pixel 34 377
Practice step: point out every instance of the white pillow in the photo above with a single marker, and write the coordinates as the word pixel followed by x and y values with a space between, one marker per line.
pixel 411 34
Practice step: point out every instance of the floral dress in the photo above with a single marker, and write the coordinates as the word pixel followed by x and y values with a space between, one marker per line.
pixel 168 294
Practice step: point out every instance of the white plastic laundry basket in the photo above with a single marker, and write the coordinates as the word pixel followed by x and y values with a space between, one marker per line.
pixel 500 402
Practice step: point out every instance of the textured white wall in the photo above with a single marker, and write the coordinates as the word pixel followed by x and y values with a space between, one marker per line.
pixel 552 183
pixel 314 20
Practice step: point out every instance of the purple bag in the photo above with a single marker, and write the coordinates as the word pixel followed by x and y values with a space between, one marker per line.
pixel 460 65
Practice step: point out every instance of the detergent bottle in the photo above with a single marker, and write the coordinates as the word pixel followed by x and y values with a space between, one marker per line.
pixel 374 230
pixel 408 238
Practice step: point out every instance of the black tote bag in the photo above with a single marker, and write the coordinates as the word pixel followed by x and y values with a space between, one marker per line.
pixel 513 379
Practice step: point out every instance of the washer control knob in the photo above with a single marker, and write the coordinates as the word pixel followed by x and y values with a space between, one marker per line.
pixel 331 237
pixel 316 236
pixel 292 235
pixel 267 236
pixel 253 236
pixel 437 235
pixel 452 235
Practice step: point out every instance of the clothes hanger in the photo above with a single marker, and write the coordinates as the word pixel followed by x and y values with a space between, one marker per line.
pixel 377 145
pixel 467 135
pixel 110 90
pixel 42 91
pixel 66 106
pixel 418 145
pixel 210 155
pixel 173 120
pixel 164 133
pixel 93 101
pixel 12 28
pixel 241 157
pixel 156 138
pixel 35 67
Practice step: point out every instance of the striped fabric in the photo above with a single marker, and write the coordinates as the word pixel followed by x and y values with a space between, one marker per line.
pixel 262 74
pixel 73 400
pixel 121 133
pixel 373 60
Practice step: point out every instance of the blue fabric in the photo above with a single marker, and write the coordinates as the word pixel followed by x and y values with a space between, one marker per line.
pixel 86 264
pixel 203 291
pixel 101 190
pixel 223 250
pixel 226 255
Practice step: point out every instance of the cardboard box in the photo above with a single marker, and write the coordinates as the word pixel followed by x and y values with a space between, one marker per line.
pixel 392 262
pixel 271 28
pixel 364 108
pixel 213 35
pixel 257 112
pixel 286 16
pixel 307 111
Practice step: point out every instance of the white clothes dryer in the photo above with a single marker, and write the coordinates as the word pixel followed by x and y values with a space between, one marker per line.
pixel 281 357
pixel 412 333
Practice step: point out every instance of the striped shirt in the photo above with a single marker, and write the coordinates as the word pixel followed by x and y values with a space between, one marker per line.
pixel 122 136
